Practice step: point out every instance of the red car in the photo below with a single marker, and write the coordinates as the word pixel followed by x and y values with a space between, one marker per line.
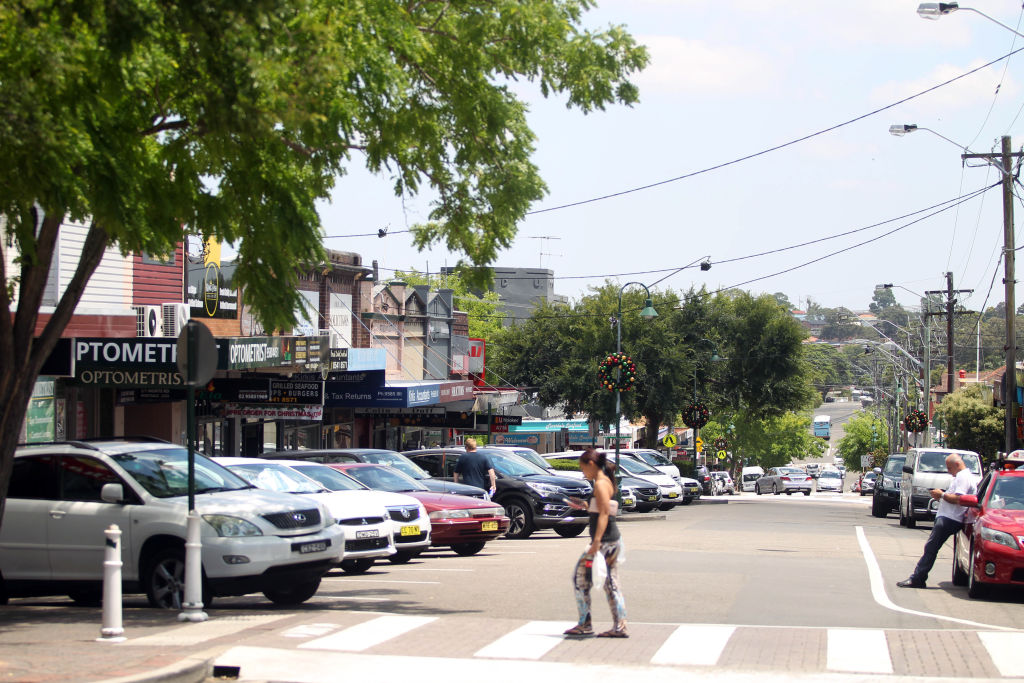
pixel 461 522
pixel 990 548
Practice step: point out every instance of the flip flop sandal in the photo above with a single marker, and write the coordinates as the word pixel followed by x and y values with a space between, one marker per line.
pixel 613 634
pixel 578 631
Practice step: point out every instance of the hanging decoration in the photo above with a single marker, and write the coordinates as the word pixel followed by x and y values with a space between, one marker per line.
pixel 916 421
pixel 626 379
pixel 721 444
pixel 696 415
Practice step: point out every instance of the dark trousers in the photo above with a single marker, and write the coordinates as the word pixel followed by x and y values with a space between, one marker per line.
pixel 943 529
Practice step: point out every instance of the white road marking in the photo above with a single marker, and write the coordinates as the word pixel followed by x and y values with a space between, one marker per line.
pixel 858 651
pixel 309 630
pixel 532 640
pixel 694 645
pixel 200 632
pixel 1005 650
pixel 348 580
pixel 880 596
pixel 428 569
pixel 367 634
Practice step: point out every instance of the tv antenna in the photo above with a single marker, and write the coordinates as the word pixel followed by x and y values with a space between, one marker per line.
pixel 544 246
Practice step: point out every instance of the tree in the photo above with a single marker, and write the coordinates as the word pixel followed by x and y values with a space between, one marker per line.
pixel 882 299
pixel 864 434
pixel 826 367
pixel 482 310
pixel 783 301
pixel 234 119
pixel 768 442
pixel 971 423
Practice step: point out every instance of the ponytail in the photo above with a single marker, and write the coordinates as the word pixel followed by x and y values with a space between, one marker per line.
pixel 600 458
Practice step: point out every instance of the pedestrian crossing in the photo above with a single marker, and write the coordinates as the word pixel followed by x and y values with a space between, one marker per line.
pixel 893 653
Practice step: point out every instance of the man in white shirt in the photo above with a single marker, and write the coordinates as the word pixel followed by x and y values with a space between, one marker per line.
pixel 949 518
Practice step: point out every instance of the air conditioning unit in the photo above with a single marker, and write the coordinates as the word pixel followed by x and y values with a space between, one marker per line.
pixel 175 317
pixel 337 341
pixel 149 321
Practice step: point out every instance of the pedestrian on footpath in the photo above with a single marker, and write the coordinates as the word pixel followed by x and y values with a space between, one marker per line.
pixel 604 540
pixel 475 469
pixel 949 518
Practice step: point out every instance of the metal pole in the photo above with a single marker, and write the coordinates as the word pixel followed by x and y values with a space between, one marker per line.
pixel 618 399
pixel 949 334
pixel 928 374
pixel 192 602
pixel 112 630
pixel 1010 379
pixel 695 430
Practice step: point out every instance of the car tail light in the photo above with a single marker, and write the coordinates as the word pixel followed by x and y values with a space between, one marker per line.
pixel 807 479
pixel 785 479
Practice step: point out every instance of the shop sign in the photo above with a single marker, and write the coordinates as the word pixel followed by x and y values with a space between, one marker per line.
pixel 211 292
pixel 366 359
pixel 550 425
pixel 456 391
pixel 313 413
pixel 129 397
pixel 40 418
pixel 139 362
pixel 506 420
pixel 423 395
pixel 517 439
pixel 338 360
pixel 237 390
pixel 246 353
pixel 343 395
pixel 391 412
pixel 294 392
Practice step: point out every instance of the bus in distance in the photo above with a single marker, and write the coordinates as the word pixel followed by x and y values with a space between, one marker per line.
pixel 822 425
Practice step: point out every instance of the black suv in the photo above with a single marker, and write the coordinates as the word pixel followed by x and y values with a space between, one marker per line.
pixel 703 477
pixel 886 495
pixel 532 498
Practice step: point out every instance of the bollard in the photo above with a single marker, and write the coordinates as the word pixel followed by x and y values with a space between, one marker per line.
pixel 111 631
pixel 192 605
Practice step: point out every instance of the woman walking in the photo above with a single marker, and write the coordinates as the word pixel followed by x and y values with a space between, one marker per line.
pixel 604 539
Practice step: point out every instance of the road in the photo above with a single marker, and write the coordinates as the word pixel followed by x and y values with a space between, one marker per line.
pixel 783 586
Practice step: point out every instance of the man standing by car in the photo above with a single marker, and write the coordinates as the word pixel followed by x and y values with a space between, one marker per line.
pixel 949 518
pixel 475 469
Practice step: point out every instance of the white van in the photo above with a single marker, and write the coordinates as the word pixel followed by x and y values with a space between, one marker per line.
pixel 749 475
pixel 923 470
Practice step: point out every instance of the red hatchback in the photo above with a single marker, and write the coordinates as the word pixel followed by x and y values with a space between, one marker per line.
pixel 461 522
pixel 990 548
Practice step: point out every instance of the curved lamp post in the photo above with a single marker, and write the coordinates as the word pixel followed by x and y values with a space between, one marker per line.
pixel 714 359
pixel 647 313
pixel 935 10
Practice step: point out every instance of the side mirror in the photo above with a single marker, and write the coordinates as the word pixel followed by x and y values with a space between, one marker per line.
pixel 112 493
pixel 908 469
pixel 877 470
pixel 968 501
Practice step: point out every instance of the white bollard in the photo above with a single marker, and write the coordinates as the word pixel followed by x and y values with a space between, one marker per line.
pixel 112 631
pixel 192 606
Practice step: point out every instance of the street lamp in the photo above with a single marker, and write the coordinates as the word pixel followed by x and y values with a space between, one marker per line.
pixel 714 359
pixel 647 313
pixel 935 10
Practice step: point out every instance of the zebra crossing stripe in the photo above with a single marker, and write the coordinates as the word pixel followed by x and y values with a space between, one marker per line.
pixel 858 651
pixel 1005 651
pixel 367 634
pixel 694 645
pixel 532 640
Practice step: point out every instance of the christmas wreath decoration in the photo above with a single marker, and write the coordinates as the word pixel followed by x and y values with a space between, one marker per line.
pixel 627 372
pixel 721 444
pixel 696 415
pixel 916 421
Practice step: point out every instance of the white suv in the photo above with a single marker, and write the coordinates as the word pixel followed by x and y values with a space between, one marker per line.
pixel 63 496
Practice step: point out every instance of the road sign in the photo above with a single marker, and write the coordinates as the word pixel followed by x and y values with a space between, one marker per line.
pixel 196 354
pixel 700 445
pixel 669 440
pixel 721 455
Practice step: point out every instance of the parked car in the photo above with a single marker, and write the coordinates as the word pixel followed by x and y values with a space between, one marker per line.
pixel 365 512
pixel 813 469
pixel 379 456
pixel 749 475
pixel 462 523
pixel 532 498
pixel 671 490
pixel 885 496
pixel 703 476
pixel 830 480
pixel 786 480
pixel 638 493
pixel 63 496
pixel 867 483
pixel 988 550
pixel 725 483
pixel 528 454
pixel 924 470
pixel 691 487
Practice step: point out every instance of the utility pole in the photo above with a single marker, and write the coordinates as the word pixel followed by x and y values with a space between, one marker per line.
pixel 1004 162
pixel 950 312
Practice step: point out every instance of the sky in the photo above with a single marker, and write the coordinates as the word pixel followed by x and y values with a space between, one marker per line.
pixel 729 79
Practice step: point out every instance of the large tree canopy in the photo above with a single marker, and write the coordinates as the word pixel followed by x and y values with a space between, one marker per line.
pixel 233 119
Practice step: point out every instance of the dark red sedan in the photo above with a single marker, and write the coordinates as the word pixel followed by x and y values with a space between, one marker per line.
pixel 461 522
pixel 989 550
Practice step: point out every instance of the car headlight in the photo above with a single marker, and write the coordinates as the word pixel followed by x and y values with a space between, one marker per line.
pixel 921 491
pixel 889 482
pixel 226 525
pixel 545 489
pixel 627 492
pixel 449 514
pixel 1000 537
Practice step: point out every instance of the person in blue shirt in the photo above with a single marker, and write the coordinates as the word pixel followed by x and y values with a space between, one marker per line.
pixel 475 469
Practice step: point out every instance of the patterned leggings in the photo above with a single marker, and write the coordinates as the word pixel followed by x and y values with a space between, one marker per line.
pixel 582 581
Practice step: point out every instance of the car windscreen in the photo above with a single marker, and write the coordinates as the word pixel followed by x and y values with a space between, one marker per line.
pixel 871 475
pixel 637 467
pixel 530 455
pixel 398 461
pixel 276 478
pixel 935 461
pixel 792 470
pixel 652 458
pixel 383 478
pixel 829 474
pixel 329 478
pixel 164 472
pixel 895 465
pixel 512 465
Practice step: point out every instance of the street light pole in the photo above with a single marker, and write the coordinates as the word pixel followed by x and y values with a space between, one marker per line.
pixel 647 313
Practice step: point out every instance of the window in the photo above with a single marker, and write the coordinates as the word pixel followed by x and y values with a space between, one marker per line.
pixel 82 478
pixel 431 463
pixel 34 478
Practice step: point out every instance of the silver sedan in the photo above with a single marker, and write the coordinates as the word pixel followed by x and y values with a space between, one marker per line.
pixel 784 480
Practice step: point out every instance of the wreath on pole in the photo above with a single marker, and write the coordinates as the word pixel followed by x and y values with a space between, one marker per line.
pixel 606 375
pixel 696 415
pixel 721 444
pixel 916 421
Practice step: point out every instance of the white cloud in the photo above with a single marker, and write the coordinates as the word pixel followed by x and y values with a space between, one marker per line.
pixel 964 93
pixel 695 67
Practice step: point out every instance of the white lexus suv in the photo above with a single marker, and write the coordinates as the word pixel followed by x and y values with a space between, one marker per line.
pixel 64 495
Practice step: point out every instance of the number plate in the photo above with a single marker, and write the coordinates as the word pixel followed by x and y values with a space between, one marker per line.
pixel 369 533
pixel 488 526
pixel 673 495
pixel 411 530
pixel 315 547
pixel 652 498
pixel 627 501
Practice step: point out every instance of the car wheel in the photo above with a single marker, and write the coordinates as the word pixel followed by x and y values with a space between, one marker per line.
pixel 467 549
pixel 403 556
pixel 292 595
pixel 520 519
pixel 360 566
pixel 665 507
pixel 807 493
pixel 975 588
pixel 877 508
pixel 959 575
pixel 775 489
pixel 570 531
pixel 164 580
pixel 687 501
pixel 903 518
pixel 757 490
pixel 87 597
pixel 911 520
